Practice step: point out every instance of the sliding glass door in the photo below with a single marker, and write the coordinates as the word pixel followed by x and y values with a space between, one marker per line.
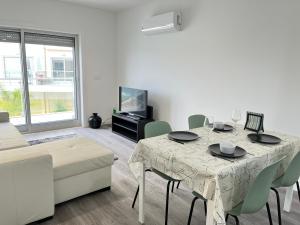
pixel 11 77
pixel 51 77
pixel 38 80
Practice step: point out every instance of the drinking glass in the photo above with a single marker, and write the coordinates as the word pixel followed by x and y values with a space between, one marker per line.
pixel 236 117
pixel 209 124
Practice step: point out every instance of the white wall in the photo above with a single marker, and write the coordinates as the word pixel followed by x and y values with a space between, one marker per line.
pixel 233 53
pixel 96 30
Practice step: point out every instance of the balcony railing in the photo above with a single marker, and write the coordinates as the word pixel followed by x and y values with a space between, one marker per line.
pixel 37 81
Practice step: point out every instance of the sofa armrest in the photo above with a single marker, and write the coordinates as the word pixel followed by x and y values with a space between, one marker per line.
pixel 4 117
pixel 26 190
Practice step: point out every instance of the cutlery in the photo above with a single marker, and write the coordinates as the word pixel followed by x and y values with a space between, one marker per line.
pixel 262 144
pixel 229 160
pixel 180 142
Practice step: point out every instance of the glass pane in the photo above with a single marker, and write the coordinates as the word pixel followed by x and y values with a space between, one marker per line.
pixel 11 84
pixel 51 87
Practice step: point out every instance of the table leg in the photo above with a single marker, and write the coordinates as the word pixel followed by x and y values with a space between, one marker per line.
pixel 210 213
pixel 210 220
pixel 288 199
pixel 141 181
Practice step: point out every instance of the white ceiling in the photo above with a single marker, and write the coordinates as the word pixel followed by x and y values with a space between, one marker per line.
pixel 112 5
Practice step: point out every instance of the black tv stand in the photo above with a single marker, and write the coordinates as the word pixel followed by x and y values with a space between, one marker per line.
pixel 134 117
pixel 128 127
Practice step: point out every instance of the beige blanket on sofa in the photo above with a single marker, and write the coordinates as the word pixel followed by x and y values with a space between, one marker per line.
pixel 10 137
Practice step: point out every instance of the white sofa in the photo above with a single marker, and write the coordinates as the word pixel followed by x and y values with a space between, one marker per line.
pixel 26 189
pixel 35 178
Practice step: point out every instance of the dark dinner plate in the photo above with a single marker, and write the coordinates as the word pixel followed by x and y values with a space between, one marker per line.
pixel 226 128
pixel 216 151
pixel 264 138
pixel 183 136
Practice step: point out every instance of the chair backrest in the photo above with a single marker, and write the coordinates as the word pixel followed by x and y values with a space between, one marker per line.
pixel 196 121
pixel 258 193
pixel 157 128
pixel 292 173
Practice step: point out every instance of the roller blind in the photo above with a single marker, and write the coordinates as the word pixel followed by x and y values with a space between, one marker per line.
pixel 10 36
pixel 45 39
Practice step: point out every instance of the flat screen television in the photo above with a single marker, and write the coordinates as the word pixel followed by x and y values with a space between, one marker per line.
pixel 133 101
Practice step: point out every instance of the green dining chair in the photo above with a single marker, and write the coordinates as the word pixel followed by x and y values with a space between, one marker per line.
pixel 154 129
pixel 289 178
pixel 196 121
pixel 257 196
pixel 157 128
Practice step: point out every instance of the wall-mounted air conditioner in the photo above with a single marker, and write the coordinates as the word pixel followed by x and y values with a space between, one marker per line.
pixel 168 22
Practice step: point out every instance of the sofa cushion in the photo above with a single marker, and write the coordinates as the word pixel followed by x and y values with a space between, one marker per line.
pixel 72 156
pixel 10 137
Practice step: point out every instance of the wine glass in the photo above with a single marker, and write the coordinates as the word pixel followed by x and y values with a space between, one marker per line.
pixel 209 124
pixel 236 117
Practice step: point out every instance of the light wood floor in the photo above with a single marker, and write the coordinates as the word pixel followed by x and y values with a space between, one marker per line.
pixel 114 207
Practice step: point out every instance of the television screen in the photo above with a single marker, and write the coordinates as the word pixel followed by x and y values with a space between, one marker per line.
pixel 133 101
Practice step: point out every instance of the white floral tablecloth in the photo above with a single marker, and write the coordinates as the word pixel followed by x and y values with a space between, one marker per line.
pixel 225 182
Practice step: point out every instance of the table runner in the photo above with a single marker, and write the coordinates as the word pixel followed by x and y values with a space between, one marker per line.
pixel 225 182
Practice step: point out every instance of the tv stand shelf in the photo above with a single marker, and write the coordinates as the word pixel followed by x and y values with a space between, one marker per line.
pixel 129 128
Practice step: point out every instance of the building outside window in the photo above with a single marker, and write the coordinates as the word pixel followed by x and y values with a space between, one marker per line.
pixel 62 68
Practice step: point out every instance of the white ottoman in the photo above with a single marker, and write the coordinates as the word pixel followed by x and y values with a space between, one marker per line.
pixel 80 166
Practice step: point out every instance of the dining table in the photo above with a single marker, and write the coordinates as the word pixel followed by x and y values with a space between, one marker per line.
pixel 223 182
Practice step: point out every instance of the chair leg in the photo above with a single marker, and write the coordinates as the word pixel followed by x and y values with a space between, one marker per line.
pixel 278 205
pixel 298 187
pixel 205 208
pixel 226 218
pixel 178 184
pixel 191 211
pixel 135 197
pixel 269 213
pixel 167 203
pixel 173 184
pixel 236 220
